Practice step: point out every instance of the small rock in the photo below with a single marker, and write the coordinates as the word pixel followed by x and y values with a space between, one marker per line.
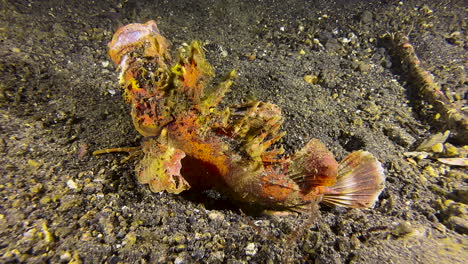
pixel 456 38
pixel 437 148
pixel 179 238
pixel 251 249
pixel 312 79
pixel 69 201
pixel 332 46
pixel 48 236
pixel 431 171
pixel 218 255
pixel 459 224
pixel 37 188
pixel 216 216
pixel 89 188
pixel 399 136
pixel 179 260
pixel 34 165
pixel 366 17
pixel 402 229
pixel 72 184
pixel 130 238
pixel 251 56
pixel 30 234
pixel 45 200
pixel 460 195
pixel 180 248
pixel 66 256
pixel 364 67
pixel 450 150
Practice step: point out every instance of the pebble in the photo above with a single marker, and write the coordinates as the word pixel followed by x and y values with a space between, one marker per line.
pixel 130 238
pixel 312 79
pixel 66 256
pixel 364 67
pixel 437 148
pixel 459 224
pixel 450 150
pixel 402 229
pixel 216 216
pixel 251 249
pixel 218 255
pixel 366 17
pixel 179 238
pixel 460 195
pixel 399 136
pixel 179 260
pixel 72 184
pixel 89 188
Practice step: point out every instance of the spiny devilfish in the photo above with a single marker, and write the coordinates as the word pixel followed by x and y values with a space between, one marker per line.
pixel 192 143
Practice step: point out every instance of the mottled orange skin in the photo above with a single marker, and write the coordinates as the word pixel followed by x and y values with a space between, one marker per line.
pixel 192 143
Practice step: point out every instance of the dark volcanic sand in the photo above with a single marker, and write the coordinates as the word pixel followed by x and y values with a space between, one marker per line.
pixel 59 101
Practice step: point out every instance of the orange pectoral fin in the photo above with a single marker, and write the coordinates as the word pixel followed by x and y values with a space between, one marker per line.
pixel 313 166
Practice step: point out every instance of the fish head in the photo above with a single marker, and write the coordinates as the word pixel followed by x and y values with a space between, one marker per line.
pixel 138 36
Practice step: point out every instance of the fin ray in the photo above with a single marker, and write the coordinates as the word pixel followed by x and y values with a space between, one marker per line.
pixel 360 180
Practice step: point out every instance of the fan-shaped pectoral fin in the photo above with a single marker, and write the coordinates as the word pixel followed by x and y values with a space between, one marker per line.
pixel 160 168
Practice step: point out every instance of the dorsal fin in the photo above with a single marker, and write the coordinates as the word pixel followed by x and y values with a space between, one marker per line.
pixel 192 71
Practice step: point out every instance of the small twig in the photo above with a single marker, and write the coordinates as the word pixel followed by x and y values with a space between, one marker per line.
pixel 132 152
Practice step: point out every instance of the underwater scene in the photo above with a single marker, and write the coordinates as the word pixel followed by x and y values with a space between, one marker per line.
pixel 236 131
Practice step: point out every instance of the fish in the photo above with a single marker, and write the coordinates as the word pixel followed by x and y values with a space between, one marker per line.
pixel 190 142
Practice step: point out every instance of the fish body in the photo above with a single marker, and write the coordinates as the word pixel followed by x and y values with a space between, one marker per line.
pixel 190 142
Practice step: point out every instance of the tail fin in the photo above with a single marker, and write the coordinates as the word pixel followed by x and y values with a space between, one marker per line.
pixel 360 180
